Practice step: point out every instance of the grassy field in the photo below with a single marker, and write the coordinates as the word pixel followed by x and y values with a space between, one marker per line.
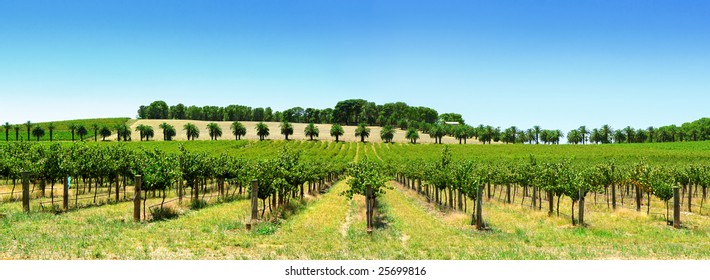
pixel 62 131
pixel 329 226
pixel 332 227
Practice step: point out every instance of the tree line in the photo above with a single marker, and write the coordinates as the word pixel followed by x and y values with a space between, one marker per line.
pixel 352 111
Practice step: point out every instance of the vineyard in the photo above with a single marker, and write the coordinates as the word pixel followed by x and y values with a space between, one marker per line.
pixel 349 200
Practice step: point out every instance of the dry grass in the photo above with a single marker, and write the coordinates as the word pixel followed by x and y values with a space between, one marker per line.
pixel 275 132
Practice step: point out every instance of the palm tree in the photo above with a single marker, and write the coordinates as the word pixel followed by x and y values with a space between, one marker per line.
pixel 17 132
pixel 557 135
pixel 286 129
pixel 7 127
pixel 619 136
pixel 141 130
pixel 73 128
pixel 105 132
pixel 595 136
pixel 123 131
pixel 95 128
pixel 168 131
pixel 606 132
pixel 262 130
pixel 37 132
pixel 437 132
pixel 51 128
pixel 387 133
pixel 537 130
pixel 191 131
pixel 574 137
pixel 583 132
pixel 214 130
pixel 461 133
pixel 238 130
pixel 336 131
pixel 148 132
pixel 650 130
pixel 412 135
pixel 81 130
pixel 28 124
pixel 629 134
pixel 362 131
pixel 531 135
pixel 311 131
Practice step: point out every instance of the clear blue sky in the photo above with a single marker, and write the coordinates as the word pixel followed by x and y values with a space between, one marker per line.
pixel 558 64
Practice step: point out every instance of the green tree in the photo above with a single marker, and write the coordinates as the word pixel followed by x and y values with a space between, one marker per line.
pixel 336 131
pixel 412 135
pixel 81 130
pixel 148 132
pixel 574 137
pixel 37 132
pixel 17 132
pixel 286 129
pixel 262 130
pixel 311 131
pixel 95 127
pixel 104 132
pixel 583 131
pixel 214 130
pixel 7 127
pixel 28 125
pixel 123 131
pixel 73 128
pixel 141 130
pixel 606 132
pixel 238 130
pixel 629 134
pixel 362 131
pixel 461 133
pixel 191 131
pixel 537 131
pixel 51 128
pixel 387 133
pixel 168 131
pixel 619 136
pixel 437 132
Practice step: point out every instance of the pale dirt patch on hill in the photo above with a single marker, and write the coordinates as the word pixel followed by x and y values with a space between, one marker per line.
pixel 275 132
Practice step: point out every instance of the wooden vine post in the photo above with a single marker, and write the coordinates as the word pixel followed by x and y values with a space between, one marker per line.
pixel 180 194
pixel 581 206
pixel 369 207
pixel 254 201
pixel 26 191
pixel 676 207
pixel 479 208
pixel 65 201
pixel 137 199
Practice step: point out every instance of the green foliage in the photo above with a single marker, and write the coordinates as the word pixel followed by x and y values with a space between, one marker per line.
pixel 286 129
pixel 215 131
pixel 366 174
pixel 311 131
pixel 336 131
pixel 412 135
pixel 362 131
pixel 262 130
pixel 387 133
pixel 238 130
pixel 191 131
